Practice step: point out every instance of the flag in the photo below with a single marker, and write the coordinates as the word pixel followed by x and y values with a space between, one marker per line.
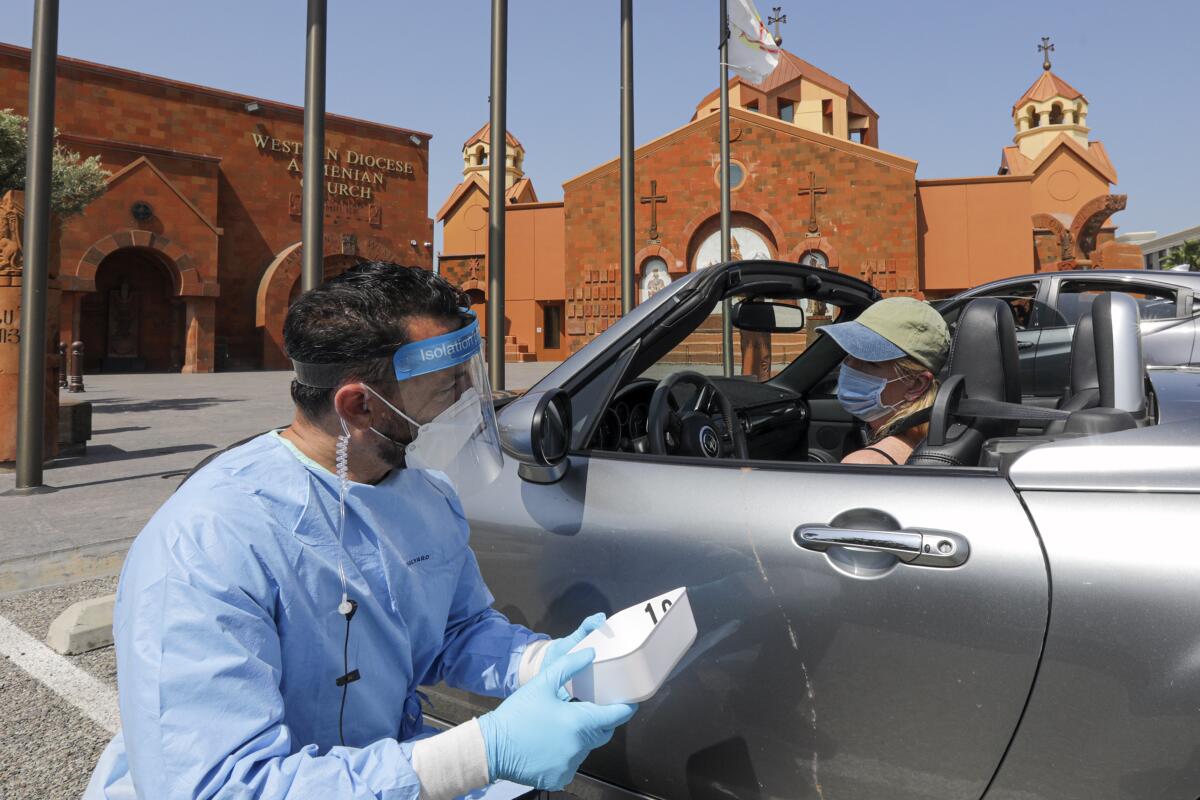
pixel 753 53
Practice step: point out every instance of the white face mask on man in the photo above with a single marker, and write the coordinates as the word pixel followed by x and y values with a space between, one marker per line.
pixel 442 443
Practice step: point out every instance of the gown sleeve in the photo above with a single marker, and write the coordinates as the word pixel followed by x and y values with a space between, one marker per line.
pixel 200 667
pixel 482 651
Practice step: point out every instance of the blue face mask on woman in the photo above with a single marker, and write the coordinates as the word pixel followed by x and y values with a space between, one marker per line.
pixel 862 394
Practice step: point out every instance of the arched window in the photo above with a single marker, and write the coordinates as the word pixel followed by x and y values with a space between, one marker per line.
pixel 1033 117
pixel 481 156
pixel 1056 114
pixel 655 278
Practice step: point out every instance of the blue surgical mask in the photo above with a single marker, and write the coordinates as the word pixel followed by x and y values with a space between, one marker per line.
pixel 862 394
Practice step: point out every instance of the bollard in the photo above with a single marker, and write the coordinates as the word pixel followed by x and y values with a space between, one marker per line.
pixel 75 381
pixel 62 365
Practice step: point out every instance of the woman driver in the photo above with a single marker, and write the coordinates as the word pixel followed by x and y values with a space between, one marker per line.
pixel 894 350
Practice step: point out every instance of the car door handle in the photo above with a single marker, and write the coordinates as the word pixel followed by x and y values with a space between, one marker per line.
pixel 1025 345
pixel 925 548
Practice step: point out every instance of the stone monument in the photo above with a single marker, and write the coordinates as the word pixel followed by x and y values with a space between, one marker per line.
pixel 12 217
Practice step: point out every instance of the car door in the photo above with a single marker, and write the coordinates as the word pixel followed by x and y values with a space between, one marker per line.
pixel 1166 311
pixel 839 672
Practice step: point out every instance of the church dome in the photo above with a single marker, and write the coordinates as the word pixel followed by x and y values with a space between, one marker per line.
pixel 476 153
pixel 1048 109
pixel 1048 86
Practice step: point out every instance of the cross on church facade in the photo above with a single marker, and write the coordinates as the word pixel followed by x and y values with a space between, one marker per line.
pixel 1046 47
pixel 652 200
pixel 774 18
pixel 812 190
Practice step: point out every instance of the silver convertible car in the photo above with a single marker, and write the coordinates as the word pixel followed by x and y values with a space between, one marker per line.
pixel 1047 305
pixel 1011 616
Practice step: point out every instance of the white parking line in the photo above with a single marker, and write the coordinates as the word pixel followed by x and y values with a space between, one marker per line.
pixel 95 699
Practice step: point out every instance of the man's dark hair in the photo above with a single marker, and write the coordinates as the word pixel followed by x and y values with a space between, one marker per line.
pixel 357 319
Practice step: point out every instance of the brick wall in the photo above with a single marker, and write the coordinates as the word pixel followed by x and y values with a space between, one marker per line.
pixel 202 141
pixel 866 218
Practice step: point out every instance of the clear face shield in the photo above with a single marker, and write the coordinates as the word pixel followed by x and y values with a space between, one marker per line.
pixel 443 394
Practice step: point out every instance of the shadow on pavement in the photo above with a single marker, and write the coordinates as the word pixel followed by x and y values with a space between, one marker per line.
pixel 125 405
pixel 168 474
pixel 101 453
pixel 128 429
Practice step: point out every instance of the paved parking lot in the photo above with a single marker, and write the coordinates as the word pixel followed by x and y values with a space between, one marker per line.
pixel 66 546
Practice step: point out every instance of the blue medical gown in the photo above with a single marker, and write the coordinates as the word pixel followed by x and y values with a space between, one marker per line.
pixel 229 643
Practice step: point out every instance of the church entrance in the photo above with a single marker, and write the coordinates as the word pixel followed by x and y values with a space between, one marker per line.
pixel 133 322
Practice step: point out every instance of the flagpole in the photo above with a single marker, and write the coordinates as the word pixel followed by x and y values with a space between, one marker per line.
pixel 312 200
pixel 627 290
pixel 31 389
pixel 496 189
pixel 726 306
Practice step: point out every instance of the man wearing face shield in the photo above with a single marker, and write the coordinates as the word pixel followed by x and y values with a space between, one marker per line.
pixel 276 616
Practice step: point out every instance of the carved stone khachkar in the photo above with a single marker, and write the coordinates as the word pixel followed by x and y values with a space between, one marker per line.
pixel 12 263
pixel 12 218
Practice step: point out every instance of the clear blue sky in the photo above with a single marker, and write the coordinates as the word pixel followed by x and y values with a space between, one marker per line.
pixel 942 74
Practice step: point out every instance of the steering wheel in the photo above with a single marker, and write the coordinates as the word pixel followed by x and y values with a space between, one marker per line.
pixel 691 432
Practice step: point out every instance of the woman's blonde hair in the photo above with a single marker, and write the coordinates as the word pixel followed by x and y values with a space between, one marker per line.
pixel 908 368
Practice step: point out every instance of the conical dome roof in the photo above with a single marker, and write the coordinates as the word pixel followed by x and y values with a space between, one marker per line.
pixel 1048 86
pixel 484 135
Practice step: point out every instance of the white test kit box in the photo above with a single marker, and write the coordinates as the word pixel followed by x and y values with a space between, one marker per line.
pixel 636 649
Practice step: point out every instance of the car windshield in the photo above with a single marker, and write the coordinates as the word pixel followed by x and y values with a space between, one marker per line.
pixel 756 355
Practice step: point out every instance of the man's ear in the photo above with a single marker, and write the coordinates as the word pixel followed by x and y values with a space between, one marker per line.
pixel 350 403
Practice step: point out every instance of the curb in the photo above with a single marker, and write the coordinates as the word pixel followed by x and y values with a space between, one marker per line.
pixel 84 626
pixel 58 567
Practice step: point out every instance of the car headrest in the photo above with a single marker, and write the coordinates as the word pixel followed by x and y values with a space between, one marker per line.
pixel 1084 373
pixel 984 351
pixel 1121 367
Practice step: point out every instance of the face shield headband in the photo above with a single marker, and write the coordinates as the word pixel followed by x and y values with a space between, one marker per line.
pixel 443 393
pixel 408 361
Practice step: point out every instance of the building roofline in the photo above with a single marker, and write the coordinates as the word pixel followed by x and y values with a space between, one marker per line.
pixel 460 191
pixel 975 179
pixel 206 91
pixel 134 165
pixel 537 205
pixel 1171 239
pixel 133 147
pixel 754 118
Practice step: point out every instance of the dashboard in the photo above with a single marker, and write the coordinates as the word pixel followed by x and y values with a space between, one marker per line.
pixel 775 420
pixel 625 420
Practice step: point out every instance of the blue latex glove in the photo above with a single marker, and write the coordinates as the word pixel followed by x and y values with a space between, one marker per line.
pixel 560 647
pixel 536 738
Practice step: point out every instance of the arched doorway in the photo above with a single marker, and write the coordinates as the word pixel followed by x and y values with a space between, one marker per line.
pixel 133 322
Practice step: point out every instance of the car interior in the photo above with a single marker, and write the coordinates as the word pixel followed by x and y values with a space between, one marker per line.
pixel 772 395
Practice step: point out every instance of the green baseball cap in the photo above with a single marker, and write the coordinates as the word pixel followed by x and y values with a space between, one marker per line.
pixel 894 328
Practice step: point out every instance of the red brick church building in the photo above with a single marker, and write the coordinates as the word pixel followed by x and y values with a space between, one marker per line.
pixel 809 184
pixel 188 261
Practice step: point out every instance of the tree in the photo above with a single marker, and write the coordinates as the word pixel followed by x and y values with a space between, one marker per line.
pixel 1187 253
pixel 74 181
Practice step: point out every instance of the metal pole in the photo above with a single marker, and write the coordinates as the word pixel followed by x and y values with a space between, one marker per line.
pixel 627 282
pixel 312 211
pixel 31 393
pixel 726 306
pixel 496 175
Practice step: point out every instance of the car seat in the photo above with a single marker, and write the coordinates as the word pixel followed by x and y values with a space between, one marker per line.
pixel 983 365
pixel 1108 369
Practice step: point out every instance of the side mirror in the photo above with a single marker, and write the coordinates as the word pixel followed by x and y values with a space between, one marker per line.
pixel 763 317
pixel 535 429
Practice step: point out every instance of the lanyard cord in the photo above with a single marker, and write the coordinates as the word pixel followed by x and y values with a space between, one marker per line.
pixel 347 607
